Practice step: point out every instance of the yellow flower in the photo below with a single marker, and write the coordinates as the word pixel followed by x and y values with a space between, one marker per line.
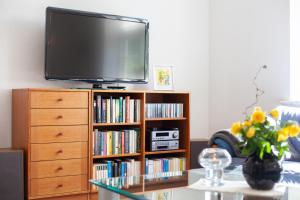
pixel 274 113
pixel 258 116
pixel 251 132
pixel 293 130
pixel 283 135
pixel 247 123
pixel 236 127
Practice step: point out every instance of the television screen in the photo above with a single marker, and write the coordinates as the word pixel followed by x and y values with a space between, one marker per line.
pixel 95 47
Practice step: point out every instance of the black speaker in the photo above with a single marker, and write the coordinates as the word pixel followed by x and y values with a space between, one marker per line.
pixel 11 174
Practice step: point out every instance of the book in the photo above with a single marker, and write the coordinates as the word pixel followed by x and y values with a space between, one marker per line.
pixel 108 107
pixel 121 109
pixel 104 111
pixel 99 108
pixel 95 111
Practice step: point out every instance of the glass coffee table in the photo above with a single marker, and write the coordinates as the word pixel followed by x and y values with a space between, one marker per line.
pixel 184 185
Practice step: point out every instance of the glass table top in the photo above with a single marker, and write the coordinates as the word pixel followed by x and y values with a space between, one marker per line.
pixel 185 184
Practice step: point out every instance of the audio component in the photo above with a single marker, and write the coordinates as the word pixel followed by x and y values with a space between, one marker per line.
pixel 162 139
pixel 164 145
pixel 164 134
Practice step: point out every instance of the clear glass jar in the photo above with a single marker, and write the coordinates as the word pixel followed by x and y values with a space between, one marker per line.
pixel 214 160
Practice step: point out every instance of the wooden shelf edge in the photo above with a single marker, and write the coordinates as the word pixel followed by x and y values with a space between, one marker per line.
pixel 65 194
pixel 117 155
pixel 165 119
pixel 165 152
pixel 117 124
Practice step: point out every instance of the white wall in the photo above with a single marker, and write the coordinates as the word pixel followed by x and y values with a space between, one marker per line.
pixel 246 34
pixel 179 35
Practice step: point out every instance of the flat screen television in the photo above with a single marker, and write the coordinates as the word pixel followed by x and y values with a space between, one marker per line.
pixel 96 48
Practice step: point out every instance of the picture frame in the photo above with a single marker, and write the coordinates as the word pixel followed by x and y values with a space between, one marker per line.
pixel 163 78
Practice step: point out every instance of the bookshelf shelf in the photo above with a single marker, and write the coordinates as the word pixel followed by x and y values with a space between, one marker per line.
pixel 116 124
pixel 165 152
pixel 165 119
pixel 117 155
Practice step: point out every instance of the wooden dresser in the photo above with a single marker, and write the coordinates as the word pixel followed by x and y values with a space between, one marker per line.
pixel 52 126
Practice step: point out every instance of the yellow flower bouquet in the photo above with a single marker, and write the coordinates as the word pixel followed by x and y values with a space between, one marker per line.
pixel 259 136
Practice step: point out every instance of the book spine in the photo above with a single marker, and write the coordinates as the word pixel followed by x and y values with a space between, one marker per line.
pixel 135 110
pixel 102 143
pixel 109 169
pixel 117 115
pixel 126 142
pixel 123 141
pixel 116 147
pixel 103 111
pixel 97 142
pixel 127 110
pixel 122 169
pixel 99 100
pixel 108 111
pixel 138 141
pixel 121 109
pixel 111 109
pixel 109 143
pixel 113 143
pixel 113 115
pixel 138 110
pixel 93 143
pixel 105 143
pixel 131 111
pixel 119 142
pixel 95 111
pixel 146 166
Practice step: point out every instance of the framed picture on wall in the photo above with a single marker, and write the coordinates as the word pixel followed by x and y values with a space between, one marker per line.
pixel 163 78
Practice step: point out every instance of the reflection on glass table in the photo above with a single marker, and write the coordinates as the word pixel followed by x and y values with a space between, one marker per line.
pixel 189 185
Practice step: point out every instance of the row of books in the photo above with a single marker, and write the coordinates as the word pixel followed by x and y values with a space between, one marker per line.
pixel 116 168
pixel 164 165
pixel 116 110
pixel 164 110
pixel 119 182
pixel 116 142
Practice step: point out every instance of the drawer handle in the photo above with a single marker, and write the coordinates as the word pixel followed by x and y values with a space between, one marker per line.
pixel 60 99
pixel 59 117
pixel 59 168
pixel 59 151
pixel 59 134
pixel 59 186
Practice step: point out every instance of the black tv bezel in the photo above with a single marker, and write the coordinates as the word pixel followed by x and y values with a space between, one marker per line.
pixel 50 10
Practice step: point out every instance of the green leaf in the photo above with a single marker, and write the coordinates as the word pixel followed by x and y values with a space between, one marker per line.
pixel 261 153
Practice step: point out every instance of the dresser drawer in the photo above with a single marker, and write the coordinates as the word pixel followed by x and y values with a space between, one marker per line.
pixel 56 151
pixel 46 169
pixel 48 134
pixel 59 100
pixel 69 197
pixel 59 117
pixel 58 185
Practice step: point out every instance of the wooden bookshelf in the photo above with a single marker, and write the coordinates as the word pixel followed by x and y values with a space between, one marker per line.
pixel 182 123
